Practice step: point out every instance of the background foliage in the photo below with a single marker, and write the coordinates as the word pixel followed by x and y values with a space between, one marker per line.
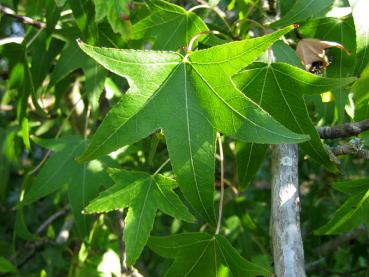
pixel 54 97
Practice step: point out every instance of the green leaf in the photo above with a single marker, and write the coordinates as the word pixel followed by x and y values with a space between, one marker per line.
pixel 113 10
pixel 350 215
pixel 285 54
pixel 83 180
pixel 60 3
pixel 352 186
pixel 361 95
pixel 143 194
pixel 171 26
pixel 187 99
pixel 83 13
pixel 302 10
pixel 361 19
pixel 6 266
pixel 202 254
pixel 71 59
pixel 249 157
pixel 279 89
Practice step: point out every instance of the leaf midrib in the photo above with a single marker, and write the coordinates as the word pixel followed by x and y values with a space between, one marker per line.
pixel 148 101
pixel 237 112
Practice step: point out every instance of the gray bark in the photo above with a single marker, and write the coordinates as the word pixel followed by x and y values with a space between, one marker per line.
pixel 285 230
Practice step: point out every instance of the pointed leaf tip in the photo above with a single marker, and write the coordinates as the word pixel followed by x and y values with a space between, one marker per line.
pixel 296 26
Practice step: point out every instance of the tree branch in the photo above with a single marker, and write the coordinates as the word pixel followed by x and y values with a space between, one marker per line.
pixel 288 249
pixel 344 130
pixel 333 244
pixel 24 19
pixel 124 269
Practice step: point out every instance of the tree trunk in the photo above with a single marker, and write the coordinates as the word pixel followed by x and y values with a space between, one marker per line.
pixel 285 230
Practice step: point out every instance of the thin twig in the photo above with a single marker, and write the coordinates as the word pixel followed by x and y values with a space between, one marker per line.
pixel 193 39
pixel 344 130
pixel 332 245
pixel 161 167
pixel 355 147
pixel 124 269
pixel 221 158
pixel 88 112
pixel 50 220
pixel 24 19
pixel 37 167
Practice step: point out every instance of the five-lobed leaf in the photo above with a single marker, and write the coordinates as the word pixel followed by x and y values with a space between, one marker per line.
pixel 143 194
pixel 190 99
pixel 171 25
pixel 83 180
pixel 202 254
pixel 279 89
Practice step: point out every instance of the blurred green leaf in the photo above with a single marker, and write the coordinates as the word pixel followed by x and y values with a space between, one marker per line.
pixel 202 254
pixel 361 19
pixel 171 26
pixel 83 180
pixel 6 266
pixel 350 215
pixel 302 10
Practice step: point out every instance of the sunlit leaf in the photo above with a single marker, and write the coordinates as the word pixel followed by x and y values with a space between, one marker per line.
pixel 189 98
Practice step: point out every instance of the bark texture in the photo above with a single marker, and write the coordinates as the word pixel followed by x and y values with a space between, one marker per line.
pixel 344 130
pixel 285 230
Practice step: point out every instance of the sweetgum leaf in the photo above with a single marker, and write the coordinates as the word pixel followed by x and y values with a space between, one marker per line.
pixel 279 89
pixel 202 254
pixel 170 25
pixel 190 99
pixel 144 195
pixel 83 180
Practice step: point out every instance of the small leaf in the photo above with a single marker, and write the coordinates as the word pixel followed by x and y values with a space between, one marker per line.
pixel 202 254
pixel 114 11
pixel 171 25
pixel 144 195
